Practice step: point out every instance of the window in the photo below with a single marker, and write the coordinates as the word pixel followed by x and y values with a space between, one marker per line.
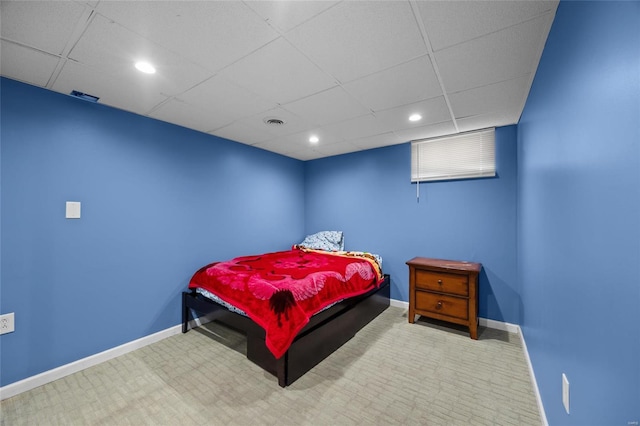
pixel 462 156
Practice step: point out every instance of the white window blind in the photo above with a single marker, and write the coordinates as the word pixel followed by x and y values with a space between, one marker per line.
pixel 463 156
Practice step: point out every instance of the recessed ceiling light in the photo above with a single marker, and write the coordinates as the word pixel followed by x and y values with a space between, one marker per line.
pixel 314 139
pixel 145 67
pixel 415 117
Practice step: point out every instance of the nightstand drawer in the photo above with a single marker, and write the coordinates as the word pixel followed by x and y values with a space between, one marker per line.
pixel 456 307
pixel 442 282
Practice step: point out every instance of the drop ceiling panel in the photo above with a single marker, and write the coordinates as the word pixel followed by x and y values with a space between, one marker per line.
pixel 451 23
pixel 278 150
pixel 294 150
pixel 26 65
pixel 278 143
pixel 219 94
pixel 355 128
pixel 306 155
pixel 293 123
pixel 477 122
pixel 339 148
pixel 387 89
pixel 243 132
pixel 213 34
pixel 299 153
pixel 286 15
pixel 505 96
pixel 112 48
pixel 301 139
pixel 357 38
pixel 432 111
pixel 425 132
pixel 183 114
pixel 498 56
pixel 126 94
pixel 44 25
pixel 327 107
pixel 279 73
pixel 377 141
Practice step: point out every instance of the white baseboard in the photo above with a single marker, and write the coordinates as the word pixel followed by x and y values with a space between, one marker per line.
pixel 489 323
pixel 399 304
pixel 33 382
pixel 499 325
pixel 43 378
pixel 511 328
pixel 543 415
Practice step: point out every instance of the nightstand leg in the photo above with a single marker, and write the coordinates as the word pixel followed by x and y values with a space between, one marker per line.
pixel 473 330
pixel 412 296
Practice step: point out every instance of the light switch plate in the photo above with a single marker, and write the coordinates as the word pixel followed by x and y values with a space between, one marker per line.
pixel 73 210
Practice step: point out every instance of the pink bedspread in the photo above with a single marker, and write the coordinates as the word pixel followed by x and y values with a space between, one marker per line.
pixel 280 291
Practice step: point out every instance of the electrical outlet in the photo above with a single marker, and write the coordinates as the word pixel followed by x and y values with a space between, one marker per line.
pixel 7 323
pixel 565 392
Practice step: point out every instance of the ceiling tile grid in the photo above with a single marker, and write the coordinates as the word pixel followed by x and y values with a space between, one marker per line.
pixel 498 56
pixel 350 72
pixel 327 107
pixel 45 26
pixel 378 141
pixel 426 132
pixel 338 148
pixel 387 89
pixel 278 72
pixel 183 114
pixel 25 64
pixel 504 96
pixel 455 22
pixel 286 15
pixel 302 138
pixel 213 34
pixel 358 127
pixel 292 122
pixel 358 38
pixel 433 110
pixel 250 133
pixel 219 94
pixel 112 48
pixel 112 90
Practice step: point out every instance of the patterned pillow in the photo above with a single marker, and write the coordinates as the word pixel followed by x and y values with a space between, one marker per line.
pixel 324 240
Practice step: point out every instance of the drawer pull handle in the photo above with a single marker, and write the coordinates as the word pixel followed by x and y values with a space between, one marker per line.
pixel 439 304
pixel 440 282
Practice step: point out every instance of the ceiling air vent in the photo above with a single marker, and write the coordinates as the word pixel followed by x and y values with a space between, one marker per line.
pixel 84 96
pixel 272 121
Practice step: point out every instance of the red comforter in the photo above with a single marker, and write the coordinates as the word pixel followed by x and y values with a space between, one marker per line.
pixel 280 291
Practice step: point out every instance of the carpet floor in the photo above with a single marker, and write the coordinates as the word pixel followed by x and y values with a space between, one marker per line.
pixel 391 372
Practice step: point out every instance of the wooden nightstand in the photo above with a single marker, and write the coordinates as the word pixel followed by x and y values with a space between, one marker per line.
pixel 446 290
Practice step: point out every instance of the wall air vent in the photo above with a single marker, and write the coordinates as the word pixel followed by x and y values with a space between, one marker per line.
pixel 272 121
pixel 84 96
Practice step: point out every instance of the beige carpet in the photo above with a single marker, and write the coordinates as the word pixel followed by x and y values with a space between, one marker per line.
pixel 391 372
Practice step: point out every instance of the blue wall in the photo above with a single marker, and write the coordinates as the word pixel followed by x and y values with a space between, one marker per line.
pixel 158 202
pixel 369 196
pixel 579 214
pixel 558 231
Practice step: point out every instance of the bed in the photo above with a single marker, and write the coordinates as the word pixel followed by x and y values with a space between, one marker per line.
pixel 296 307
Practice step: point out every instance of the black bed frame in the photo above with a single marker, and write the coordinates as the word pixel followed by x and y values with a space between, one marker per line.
pixel 325 332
